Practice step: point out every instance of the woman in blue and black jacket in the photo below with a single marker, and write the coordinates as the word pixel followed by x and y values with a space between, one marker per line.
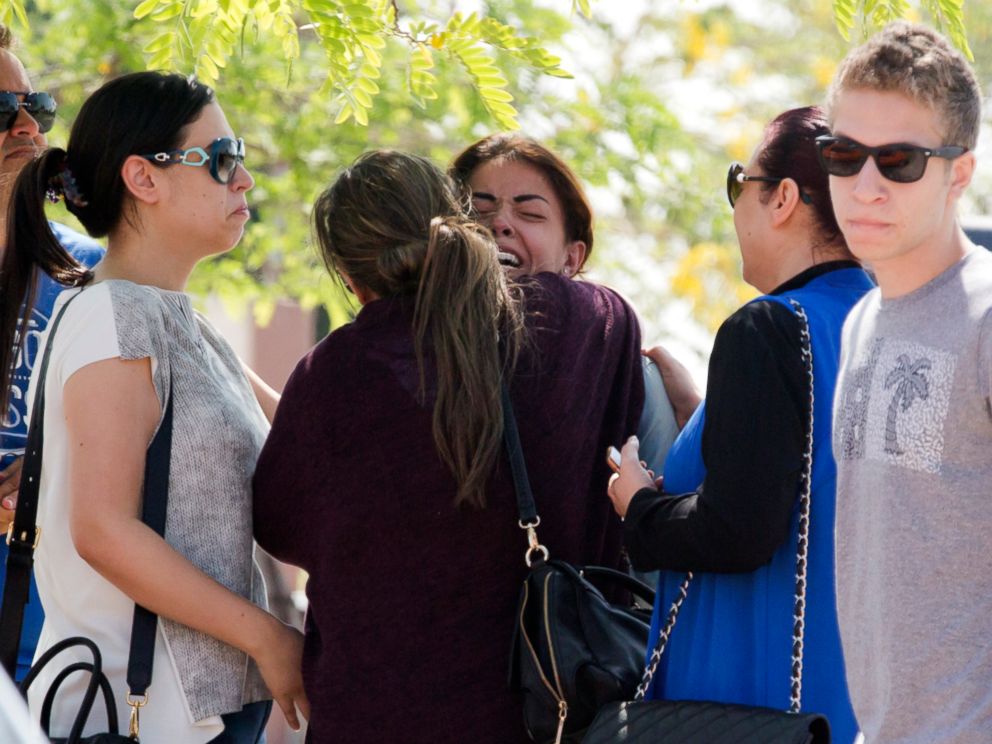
pixel 729 508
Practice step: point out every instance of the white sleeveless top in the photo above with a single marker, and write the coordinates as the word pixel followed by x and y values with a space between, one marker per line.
pixel 218 431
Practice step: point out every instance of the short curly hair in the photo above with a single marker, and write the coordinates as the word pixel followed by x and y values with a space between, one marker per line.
pixel 918 62
pixel 6 37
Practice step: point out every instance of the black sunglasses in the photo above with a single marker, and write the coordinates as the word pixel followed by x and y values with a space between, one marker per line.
pixel 41 107
pixel 899 162
pixel 736 178
pixel 223 157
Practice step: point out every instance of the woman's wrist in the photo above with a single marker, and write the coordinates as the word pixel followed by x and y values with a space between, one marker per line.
pixel 256 631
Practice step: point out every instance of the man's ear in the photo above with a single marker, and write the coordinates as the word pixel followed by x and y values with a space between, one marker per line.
pixel 961 170
pixel 142 179
pixel 784 201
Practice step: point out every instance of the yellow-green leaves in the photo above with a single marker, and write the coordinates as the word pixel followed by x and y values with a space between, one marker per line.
pixel 948 16
pixel 13 9
pixel 352 34
pixel 201 35
pixel 462 40
pixel 422 81
pixel 871 15
pixel 844 12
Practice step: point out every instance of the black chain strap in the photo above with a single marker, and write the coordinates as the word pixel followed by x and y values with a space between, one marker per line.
pixel 802 552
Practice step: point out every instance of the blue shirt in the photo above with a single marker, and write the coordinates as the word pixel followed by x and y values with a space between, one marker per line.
pixel 732 641
pixel 13 435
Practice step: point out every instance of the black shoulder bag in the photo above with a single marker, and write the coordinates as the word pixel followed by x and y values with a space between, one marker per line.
pixel 23 536
pixel 573 651
pixel 692 721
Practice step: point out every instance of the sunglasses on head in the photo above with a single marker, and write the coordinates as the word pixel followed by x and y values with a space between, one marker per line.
pixel 899 162
pixel 736 178
pixel 223 157
pixel 41 107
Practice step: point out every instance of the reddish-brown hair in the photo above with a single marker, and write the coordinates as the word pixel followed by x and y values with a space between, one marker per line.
pixel 566 185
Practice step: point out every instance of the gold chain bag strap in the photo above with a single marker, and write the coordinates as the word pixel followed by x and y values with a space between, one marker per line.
pixel 689 721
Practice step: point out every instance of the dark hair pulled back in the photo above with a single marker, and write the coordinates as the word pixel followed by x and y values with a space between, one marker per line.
pixel 788 151
pixel 143 112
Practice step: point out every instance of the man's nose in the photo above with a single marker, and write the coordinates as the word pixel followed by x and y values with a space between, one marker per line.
pixel 869 184
pixel 24 125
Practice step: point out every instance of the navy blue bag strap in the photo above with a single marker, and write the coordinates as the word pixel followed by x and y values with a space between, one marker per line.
pixel 24 540
pixel 23 534
pixel 153 510
pixel 521 483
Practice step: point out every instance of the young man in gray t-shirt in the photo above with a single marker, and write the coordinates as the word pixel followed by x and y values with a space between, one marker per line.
pixel 912 425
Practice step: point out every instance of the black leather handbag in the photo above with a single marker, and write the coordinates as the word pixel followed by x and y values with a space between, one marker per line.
pixel 573 650
pixel 641 721
pixel 98 682
pixel 23 536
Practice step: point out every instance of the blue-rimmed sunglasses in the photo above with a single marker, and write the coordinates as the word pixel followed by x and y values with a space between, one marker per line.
pixel 41 107
pixel 223 157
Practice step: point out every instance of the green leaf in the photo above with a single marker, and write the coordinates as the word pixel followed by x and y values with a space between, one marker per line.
pixel 169 11
pixel 361 116
pixel 362 97
pixel 368 85
pixel 844 17
pixel 203 9
pixel 162 41
pixel 494 95
pixel 207 69
pixel 145 8
pixel 344 114
pixel 161 60
pixel 372 41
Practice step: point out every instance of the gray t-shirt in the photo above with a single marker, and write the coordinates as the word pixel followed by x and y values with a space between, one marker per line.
pixel 913 443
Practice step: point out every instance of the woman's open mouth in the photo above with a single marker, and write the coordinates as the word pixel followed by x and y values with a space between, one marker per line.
pixel 509 259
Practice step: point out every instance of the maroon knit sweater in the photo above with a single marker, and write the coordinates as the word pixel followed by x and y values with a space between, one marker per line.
pixel 412 600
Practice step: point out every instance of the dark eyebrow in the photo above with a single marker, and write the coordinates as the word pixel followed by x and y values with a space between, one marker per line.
pixel 516 200
pixel 529 197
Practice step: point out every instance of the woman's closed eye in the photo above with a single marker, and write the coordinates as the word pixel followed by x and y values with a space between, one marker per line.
pixel 531 215
pixel 483 207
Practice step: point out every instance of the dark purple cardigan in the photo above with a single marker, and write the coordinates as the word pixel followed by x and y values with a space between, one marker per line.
pixel 412 600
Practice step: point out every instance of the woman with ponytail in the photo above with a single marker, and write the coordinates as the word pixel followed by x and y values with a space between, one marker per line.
pixel 129 342
pixel 385 477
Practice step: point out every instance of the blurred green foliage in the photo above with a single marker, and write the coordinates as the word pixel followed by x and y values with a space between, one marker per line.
pixel 664 94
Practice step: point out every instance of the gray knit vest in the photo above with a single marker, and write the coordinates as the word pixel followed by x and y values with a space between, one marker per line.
pixel 218 431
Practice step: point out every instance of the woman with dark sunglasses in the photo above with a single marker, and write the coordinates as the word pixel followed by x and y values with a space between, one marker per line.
pixel 153 166
pixel 728 511
pixel 385 475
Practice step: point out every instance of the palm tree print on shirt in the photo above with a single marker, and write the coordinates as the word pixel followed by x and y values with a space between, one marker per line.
pixel 910 383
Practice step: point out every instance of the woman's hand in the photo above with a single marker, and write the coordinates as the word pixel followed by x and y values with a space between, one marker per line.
pixel 279 655
pixel 632 478
pixel 10 481
pixel 679 386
